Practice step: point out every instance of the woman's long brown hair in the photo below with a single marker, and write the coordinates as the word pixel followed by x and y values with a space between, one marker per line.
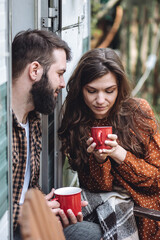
pixel 124 117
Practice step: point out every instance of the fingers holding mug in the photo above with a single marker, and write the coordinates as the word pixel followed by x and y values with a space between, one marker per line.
pixel 91 145
pixel 112 136
pixel 111 144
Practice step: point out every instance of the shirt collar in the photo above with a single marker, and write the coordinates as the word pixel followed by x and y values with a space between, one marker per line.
pixel 33 117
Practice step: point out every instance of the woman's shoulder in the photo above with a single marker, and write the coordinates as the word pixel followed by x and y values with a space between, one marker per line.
pixel 144 105
pixel 137 104
pixel 142 101
pixel 147 112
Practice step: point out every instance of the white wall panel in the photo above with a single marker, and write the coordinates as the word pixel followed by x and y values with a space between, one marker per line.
pixel 3 48
pixel 72 11
pixel 74 33
pixel 4 227
pixel 23 15
pixel 73 37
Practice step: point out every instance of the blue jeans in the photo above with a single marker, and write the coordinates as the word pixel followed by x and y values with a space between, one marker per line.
pixel 79 231
pixel 83 231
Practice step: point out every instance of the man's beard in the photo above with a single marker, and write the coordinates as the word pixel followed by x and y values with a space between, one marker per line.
pixel 43 96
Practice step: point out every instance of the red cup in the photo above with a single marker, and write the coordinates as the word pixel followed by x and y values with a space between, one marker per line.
pixel 100 135
pixel 69 198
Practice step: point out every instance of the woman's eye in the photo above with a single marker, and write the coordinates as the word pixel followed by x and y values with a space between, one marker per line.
pixel 91 91
pixel 107 91
pixel 110 91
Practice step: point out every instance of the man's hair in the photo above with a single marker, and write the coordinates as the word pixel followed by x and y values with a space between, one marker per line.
pixel 35 45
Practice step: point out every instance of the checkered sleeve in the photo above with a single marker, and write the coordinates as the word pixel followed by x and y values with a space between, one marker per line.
pixel 16 210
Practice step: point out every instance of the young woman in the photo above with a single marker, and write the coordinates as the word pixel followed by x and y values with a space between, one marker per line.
pixel 99 95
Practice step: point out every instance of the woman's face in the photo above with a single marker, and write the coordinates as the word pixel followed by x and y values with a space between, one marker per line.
pixel 100 95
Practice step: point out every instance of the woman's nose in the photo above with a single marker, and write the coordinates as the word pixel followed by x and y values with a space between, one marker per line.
pixel 100 99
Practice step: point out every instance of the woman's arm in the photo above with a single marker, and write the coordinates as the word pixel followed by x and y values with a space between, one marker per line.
pixel 143 172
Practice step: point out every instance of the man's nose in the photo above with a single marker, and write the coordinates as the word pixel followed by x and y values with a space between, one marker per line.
pixel 62 82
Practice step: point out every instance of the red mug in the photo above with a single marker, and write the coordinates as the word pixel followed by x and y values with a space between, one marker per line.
pixel 100 135
pixel 69 198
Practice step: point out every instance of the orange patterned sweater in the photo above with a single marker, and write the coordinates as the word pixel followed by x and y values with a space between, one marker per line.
pixel 140 177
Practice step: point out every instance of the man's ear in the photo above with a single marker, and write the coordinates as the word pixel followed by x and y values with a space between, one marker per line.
pixel 35 71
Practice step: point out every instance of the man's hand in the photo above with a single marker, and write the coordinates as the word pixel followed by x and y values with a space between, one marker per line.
pixel 71 218
pixel 55 207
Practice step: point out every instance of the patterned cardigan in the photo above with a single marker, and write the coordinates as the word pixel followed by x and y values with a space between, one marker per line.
pixel 19 156
pixel 140 177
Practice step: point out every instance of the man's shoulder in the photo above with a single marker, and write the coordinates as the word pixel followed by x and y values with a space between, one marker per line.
pixel 34 116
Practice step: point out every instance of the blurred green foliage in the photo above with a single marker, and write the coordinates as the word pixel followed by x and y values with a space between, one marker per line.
pixel 138 33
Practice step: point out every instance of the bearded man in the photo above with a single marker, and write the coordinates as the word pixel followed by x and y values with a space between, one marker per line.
pixel 38 64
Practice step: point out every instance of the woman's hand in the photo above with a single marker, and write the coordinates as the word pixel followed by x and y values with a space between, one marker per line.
pixel 99 154
pixel 116 152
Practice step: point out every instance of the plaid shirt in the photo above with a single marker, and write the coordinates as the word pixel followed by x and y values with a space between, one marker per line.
pixel 19 157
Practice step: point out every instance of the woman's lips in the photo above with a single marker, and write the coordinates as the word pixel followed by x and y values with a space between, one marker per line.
pixel 99 108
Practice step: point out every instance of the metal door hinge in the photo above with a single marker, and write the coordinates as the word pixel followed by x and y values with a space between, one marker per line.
pixel 46 22
pixel 53 12
pixel 52 20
